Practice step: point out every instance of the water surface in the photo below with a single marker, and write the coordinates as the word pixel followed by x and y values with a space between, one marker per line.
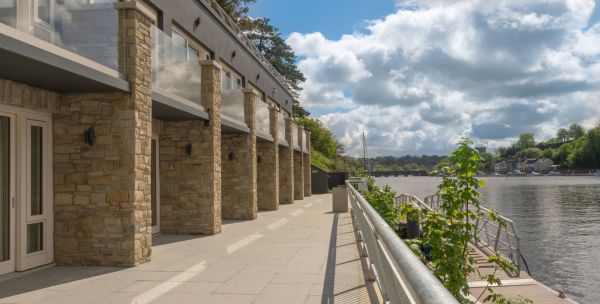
pixel 558 219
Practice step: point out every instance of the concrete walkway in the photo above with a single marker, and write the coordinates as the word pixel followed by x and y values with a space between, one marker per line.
pixel 302 253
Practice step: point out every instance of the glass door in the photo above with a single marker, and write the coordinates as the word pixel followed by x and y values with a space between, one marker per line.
pixel 36 186
pixel 155 187
pixel 7 199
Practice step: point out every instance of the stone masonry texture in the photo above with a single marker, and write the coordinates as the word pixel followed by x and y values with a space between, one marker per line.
pixel 286 167
pixel 239 202
pixel 186 197
pixel 307 168
pixel 299 168
pixel 102 192
pixel 268 168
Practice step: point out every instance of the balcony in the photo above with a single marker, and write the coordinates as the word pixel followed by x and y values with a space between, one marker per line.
pixel 66 46
pixel 281 130
pixel 176 78
pixel 295 139
pixel 263 121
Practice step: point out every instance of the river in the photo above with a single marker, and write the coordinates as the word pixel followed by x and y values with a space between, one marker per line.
pixel 558 219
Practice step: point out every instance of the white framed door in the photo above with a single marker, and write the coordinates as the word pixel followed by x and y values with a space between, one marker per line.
pixel 7 193
pixel 35 202
pixel 155 201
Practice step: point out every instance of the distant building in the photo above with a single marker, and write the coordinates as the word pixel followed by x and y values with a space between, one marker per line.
pixel 481 150
pixel 530 165
pixel 543 165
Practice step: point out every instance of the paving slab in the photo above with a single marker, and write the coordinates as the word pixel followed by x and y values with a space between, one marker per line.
pixel 301 253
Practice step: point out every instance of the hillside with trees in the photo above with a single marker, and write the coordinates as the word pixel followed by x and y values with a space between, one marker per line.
pixel 572 148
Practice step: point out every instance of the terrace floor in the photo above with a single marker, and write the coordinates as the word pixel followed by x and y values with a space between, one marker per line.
pixel 302 253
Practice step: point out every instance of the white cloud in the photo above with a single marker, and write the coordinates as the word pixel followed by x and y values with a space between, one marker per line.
pixel 433 71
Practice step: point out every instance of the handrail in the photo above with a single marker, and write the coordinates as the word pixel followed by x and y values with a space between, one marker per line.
pixel 402 277
pixel 490 237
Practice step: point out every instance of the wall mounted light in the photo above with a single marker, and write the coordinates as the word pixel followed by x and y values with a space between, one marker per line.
pixel 257 77
pixel 258 159
pixel 188 149
pixel 274 91
pixel 89 136
pixel 196 23
pixel 231 156
pixel 233 54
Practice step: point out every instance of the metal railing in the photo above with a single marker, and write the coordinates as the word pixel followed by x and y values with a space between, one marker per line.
pixel 402 277
pixel 490 237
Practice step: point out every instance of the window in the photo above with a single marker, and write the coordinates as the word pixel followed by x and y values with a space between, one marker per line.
pixel 43 10
pixel 185 49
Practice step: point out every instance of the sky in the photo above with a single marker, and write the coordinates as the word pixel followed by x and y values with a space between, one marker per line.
pixel 416 76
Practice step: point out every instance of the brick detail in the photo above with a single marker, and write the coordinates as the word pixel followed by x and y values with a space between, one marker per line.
pixel 27 97
pixel 186 197
pixel 211 101
pixel 239 202
pixel 268 167
pixel 286 167
pixel 307 168
pixel 299 168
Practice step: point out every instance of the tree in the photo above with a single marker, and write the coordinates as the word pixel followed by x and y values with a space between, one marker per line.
pixel 576 131
pixel 269 42
pixel 236 9
pixel 321 138
pixel 562 135
pixel 526 140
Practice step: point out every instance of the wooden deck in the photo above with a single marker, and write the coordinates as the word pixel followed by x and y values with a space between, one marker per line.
pixel 512 287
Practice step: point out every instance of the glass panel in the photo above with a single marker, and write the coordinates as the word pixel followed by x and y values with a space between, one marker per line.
pixel 88 28
pixel 232 104
pixel 193 54
pixel 262 117
pixel 36 171
pixel 295 136
pixel 304 143
pixel 43 10
pixel 179 48
pixel 4 188
pixel 281 128
pixel 170 73
pixel 8 12
pixel 35 237
pixel 225 81
pixel 154 184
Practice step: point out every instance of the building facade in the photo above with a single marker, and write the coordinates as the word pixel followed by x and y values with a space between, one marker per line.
pixel 122 119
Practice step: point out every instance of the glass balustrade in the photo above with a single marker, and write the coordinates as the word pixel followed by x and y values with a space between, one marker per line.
pixel 304 143
pixel 85 27
pixel 281 129
pixel 175 70
pixel 232 98
pixel 295 141
pixel 262 117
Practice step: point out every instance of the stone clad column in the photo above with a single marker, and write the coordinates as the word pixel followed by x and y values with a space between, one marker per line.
pixel 211 146
pixel 268 167
pixel 239 167
pixel 102 207
pixel 286 167
pixel 307 167
pixel 299 168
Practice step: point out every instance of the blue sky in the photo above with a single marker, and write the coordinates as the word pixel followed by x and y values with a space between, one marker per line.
pixel 417 75
pixel 330 17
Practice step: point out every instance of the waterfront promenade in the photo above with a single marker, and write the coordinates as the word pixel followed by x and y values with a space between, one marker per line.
pixel 302 253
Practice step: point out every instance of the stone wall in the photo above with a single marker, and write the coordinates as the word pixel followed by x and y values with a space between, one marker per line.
pixel 307 169
pixel 239 202
pixel 298 175
pixel 286 168
pixel 299 167
pixel 187 204
pixel 267 175
pixel 28 97
pixel 101 192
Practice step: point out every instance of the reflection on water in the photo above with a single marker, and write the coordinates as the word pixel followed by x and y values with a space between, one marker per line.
pixel 558 219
